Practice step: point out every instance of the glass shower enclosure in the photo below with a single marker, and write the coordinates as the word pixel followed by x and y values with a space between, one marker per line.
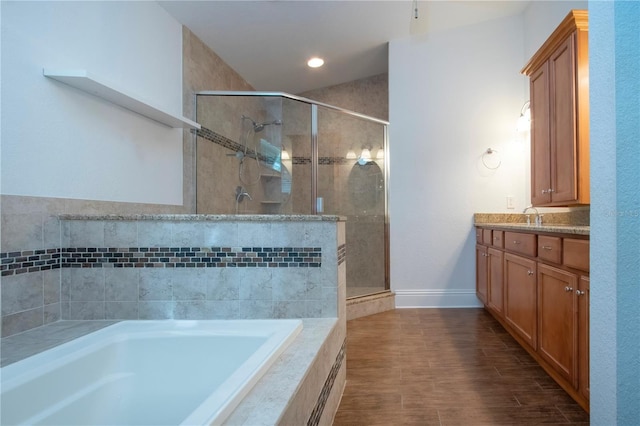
pixel 274 153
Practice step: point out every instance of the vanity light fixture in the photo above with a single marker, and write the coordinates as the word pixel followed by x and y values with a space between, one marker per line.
pixel 524 121
pixel 380 154
pixel 351 155
pixel 315 62
pixel 365 154
pixel 365 157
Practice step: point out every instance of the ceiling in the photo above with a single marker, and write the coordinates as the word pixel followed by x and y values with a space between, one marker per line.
pixel 268 42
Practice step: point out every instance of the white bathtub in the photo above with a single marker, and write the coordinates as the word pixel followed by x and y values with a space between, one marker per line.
pixel 145 373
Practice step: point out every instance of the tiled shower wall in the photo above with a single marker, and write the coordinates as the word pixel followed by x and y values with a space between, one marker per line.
pixel 182 269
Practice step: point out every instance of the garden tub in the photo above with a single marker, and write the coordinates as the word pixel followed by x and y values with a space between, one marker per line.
pixel 145 373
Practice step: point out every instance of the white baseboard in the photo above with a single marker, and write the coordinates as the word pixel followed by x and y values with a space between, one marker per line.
pixel 440 298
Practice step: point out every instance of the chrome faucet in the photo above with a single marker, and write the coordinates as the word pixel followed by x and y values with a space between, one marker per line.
pixel 538 217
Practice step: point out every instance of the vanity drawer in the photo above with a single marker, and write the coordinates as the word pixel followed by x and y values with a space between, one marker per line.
pixel 486 236
pixel 498 239
pixel 550 248
pixel 520 243
pixel 576 253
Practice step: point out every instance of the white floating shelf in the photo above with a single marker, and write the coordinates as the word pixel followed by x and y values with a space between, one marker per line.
pixel 81 79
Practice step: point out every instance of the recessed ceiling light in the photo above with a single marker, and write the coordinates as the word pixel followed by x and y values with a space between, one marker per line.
pixel 315 62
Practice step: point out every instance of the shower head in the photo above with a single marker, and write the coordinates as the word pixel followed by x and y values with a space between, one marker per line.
pixel 258 127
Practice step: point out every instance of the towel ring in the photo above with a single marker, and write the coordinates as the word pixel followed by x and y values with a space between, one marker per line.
pixel 491 151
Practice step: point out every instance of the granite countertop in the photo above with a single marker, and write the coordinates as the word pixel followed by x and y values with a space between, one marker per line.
pixel 554 228
pixel 210 217
pixel 574 222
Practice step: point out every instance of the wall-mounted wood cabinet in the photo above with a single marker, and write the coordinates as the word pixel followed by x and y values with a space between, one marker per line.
pixel 559 95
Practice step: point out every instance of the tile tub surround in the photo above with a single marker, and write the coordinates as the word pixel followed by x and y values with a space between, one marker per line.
pixel 167 266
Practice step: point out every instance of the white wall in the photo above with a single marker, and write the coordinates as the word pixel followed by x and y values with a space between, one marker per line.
pixel 61 142
pixel 452 95
pixel 541 18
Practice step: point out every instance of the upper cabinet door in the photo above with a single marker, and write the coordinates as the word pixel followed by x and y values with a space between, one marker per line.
pixel 563 128
pixel 540 137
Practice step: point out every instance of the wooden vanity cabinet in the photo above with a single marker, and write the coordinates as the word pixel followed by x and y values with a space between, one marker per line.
pixel 537 286
pixel 559 102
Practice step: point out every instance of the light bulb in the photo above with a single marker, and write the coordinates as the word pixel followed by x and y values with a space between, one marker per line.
pixel 523 124
pixel 315 62
pixel 284 155
pixel 351 155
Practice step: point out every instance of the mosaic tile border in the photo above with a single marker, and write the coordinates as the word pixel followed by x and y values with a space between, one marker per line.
pixel 316 414
pixel 20 262
pixel 232 145
pixel 225 142
pixel 14 263
pixel 342 253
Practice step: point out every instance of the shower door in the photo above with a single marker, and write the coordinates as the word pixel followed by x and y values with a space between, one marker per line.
pixel 351 182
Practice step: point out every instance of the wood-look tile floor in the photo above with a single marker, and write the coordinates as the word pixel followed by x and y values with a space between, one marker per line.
pixel 446 367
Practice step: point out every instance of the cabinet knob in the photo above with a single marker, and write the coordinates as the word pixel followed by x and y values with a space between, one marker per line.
pixel 567 288
pixel 516 242
pixel 529 272
pixel 546 248
pixel 580 293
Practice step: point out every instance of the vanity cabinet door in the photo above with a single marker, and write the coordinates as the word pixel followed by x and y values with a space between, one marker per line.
pixel 495 300
pixel 557 320
pixel 482 261
pixel 540 137
pixel 520 297
pixel 583 336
